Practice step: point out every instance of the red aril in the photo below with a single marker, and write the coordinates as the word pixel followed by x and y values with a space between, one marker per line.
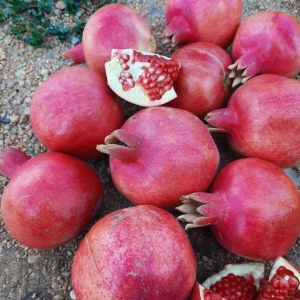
pixel 262 120
pixel 202 83
pixel 203 21
pixel 50 198
pixel 266 43
pixel 114 26
pixel 142 78
pixel 253 209
pixel 73 111
pixel 159 154
pixel 140 252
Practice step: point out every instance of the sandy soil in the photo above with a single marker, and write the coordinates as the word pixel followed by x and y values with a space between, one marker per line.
pixel 31 274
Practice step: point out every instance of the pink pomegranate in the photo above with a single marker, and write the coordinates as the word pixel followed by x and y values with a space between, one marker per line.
pixel 262 120
pixel 247 281
pixel 140 252
pixel 76 53
pixel 143 78
pixel 73 111
pixel 159 154
pixel 253 208
pixel 212 21
pixel 266 43
pixel 114 26
pixel 204 88
pixel 50 198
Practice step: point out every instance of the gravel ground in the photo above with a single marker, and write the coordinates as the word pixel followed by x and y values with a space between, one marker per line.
pixel 31 274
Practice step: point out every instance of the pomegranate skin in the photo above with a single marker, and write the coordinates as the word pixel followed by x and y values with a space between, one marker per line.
pixel 212 21
pixel 202 89
pixel 140 252
pixel 50 199
pixel 269 43
pixel 74 110
pixel 262 120
pixel 253 208
pixel 174 154
pixel 114 26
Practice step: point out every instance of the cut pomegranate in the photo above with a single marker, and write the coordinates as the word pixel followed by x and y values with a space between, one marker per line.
pixel 142 78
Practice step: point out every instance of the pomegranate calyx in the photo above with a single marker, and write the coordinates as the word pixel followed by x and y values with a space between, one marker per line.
pixel 142 78
pixel 122 145
pixel 11 160
pixel 198 210
pixel 221 120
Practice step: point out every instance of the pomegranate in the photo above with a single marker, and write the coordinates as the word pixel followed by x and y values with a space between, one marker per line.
pixel 159 154
pixel 246 281
pixel 50 198
pixel 240 220
pixel 140 252
pixel 76 53
pixel 262 120
pixel 114 26
pixel 74 110
pixel 266 43
pixel 203 21
pixel 202 89
pixel 141 78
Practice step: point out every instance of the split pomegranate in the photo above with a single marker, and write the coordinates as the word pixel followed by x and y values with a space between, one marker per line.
pixel 203 21
pixel 202 84
pixel 267 42
pixel 50 198
pixel 73 111
pixel 141 78
pixel 262 120
pixel 140 252
pixel 253 209
pixel 283 283
pixel 114 26
pixel 159 154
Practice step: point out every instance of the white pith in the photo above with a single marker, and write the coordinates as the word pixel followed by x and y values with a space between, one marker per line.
pixel 256 269
pixel 280 261
pixel 137 95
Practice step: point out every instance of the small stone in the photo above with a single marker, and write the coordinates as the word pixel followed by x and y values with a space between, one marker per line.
pixel 60 5
pixel 54 286
pixel 26 111
pixel 14 119
pixel 27 99
pixel 32 259
pixel 23 119
pixel 7 41
pixel 57 12
pixel 11 83
pixel 44 72
pixel 72 295
pixel 5 120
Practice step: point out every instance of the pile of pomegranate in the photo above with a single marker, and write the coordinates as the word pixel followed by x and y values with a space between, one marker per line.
pixel 164 157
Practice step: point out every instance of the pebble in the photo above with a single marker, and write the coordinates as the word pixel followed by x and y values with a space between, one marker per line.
pixel 54 286
pixel 7 41
pixel 23 119
pixel 72 295
pixel 44 72
pixel 60 5
pixel 5 120
pixel 32 259
pixel 14 119
pixel 26 111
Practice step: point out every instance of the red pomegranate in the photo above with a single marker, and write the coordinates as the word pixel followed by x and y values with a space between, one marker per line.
pixel 212 21
pixel 253 209
pixel 262 120
pixel 50 198
pixel 202 89
pixel 114 26
pixel 140 252
pixel 266 43
pixel 73 111
pixel 160 154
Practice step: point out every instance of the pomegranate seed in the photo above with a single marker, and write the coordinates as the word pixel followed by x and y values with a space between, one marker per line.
pixel 125 57
pixel 130 82
pixel 161 77
pixel 293 282
pixel 124 67
pixel 125 87
pixel 158 71
pixel 152 84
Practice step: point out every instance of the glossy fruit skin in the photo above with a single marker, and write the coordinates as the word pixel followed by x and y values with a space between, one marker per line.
pixel 50 199
pixel 114 26
pixel 262 120
pixel 74 110
pixel 270 42
pixel 259 209
pixel 201 85
pixel 140 252
pixel 177 156
pixel 212 21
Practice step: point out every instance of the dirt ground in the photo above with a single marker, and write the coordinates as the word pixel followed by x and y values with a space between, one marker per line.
pixel 34 274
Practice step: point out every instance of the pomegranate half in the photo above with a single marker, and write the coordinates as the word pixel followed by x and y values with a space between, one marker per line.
pixel 50 198
pixel 160 154
pixel 140 252
pixel 253 209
